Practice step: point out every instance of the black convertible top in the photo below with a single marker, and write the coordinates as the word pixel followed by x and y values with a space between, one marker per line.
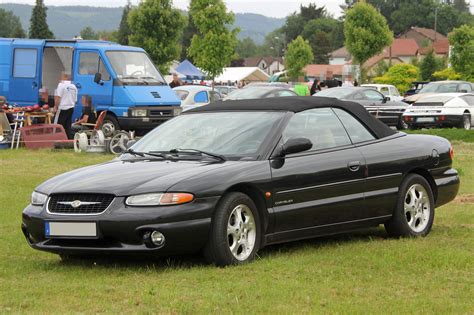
pixel 297 104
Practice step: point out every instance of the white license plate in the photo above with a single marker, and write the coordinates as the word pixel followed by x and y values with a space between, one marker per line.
pixel 425 119
pixel 70 229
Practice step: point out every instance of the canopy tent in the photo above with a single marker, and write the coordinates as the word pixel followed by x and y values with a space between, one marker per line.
pixel 189 70
pixel 247 74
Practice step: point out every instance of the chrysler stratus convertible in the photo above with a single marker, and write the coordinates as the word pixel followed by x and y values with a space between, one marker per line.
pixel 229 178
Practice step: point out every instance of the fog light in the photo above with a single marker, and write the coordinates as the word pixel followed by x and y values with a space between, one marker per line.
pixel 157 238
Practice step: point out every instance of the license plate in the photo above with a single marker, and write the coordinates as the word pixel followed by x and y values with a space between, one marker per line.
pixel 70 229
pixel 425 119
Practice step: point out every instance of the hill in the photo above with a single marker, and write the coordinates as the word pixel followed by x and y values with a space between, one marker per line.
pixel 68 21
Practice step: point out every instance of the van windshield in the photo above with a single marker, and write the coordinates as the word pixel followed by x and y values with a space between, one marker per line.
pixel 134 68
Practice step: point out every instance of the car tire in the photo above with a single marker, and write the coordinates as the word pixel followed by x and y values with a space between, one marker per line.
pixel 110 125
pixel 466 122
pixel 235 234
pixel 415 210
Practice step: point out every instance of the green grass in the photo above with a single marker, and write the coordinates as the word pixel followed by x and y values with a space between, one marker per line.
pixel 357 273
pixel 452 134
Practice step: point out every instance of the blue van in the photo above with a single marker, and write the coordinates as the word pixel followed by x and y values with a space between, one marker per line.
pixel 120 79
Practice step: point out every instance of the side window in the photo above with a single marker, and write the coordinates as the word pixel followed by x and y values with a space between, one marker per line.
pixel 355 129
pixel 465 87
pixel 373 95
pixel 201 97
pixel 320 125
pixel 394 91
pixel 24 63
pixel 384 90
pixel 90 63
pixel 358 96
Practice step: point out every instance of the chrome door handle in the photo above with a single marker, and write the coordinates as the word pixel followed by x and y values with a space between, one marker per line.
pixel 354 166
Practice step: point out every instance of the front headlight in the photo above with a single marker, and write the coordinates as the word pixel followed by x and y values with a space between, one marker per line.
pixel 177 111
pixel 38 199
pixel 139 112
pixel 159 199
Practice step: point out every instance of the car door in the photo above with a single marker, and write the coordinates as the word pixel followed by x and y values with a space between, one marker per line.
pixel 320 187
pixel 87 64
pixel 26 72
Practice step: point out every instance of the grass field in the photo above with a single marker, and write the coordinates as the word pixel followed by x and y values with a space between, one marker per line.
pixel 357 273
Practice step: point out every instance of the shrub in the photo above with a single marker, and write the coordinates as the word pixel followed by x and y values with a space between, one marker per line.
pixel 401 75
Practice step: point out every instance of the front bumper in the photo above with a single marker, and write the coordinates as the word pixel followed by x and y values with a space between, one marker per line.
pixel 120 229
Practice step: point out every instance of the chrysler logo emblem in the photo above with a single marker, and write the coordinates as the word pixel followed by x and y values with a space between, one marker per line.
pixel 76 204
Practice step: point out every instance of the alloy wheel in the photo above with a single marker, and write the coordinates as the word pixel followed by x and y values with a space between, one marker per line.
pixel 241 232
pixel 417 208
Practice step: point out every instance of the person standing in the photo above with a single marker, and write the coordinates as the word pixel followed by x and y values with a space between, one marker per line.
pixel 316 87
pixel 176 82
pixel 65 100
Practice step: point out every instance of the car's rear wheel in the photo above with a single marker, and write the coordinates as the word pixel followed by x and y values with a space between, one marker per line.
pixel 415 209
pixel 235 233
pixel 466 122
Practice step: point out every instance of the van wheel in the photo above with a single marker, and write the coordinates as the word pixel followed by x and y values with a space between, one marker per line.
pixel 110 125
pixel 415 210
pixel 235 232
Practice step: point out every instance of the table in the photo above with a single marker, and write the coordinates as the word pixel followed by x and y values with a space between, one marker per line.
pixel 43 115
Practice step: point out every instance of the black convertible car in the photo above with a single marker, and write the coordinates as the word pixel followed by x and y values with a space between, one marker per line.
pixel 229 178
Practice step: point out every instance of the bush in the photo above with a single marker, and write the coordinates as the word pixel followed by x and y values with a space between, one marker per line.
pixel 401 75
pixel 447 74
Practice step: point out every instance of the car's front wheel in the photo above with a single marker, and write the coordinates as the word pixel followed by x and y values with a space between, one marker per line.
pixel 235 233
pixel 415 209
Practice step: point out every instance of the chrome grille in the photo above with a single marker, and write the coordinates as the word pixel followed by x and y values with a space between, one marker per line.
pixel 79 203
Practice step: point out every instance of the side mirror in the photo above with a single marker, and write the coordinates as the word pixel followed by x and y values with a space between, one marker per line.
pixel 385 99
pixel 296 145
pixel 97 77
pixel 130 143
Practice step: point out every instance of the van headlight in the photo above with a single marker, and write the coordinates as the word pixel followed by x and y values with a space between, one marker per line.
pixel 159 199
pixel 139 112
pixel 177 111
pixel 38 199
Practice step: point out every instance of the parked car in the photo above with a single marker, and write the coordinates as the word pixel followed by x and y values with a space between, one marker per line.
pixel 192 96
pixel 389 91
pixel 441 87
pixel 415 88
pixel 224 90
pixel 442 110
pixel 389 112
pixel 270 84
pixel 232 177
pixel 264 91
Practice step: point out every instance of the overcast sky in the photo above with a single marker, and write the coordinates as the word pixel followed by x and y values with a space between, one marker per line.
pixel 274 8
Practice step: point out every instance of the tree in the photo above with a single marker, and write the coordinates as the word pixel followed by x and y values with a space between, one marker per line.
pixel 446 74
pixel 10 25
pixel 108 35
pixel 246 48
pixel 428 66
pixel 189 31
pixel 124 29
pixel 39 28
pixel 322 35
pixel 213 47
pixel 462 51
pixel 366 32
pixel 88 33
pixel 401 75
pixel 157 27
pixel 298 55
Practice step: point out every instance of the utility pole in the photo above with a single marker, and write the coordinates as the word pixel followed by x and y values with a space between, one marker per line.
pixel 436 22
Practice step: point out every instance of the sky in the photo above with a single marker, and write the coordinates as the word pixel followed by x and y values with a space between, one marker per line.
pixel 272 8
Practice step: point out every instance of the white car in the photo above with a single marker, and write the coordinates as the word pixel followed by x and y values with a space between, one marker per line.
pixel 390 91
pixel 441 110
pixel 193 96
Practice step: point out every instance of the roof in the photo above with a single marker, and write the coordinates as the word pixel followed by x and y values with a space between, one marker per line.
pixel 428 33
pixel 242 73
pixel 403 47
pixel 252 61
pixel 297 104
pixel 189 70
pixel 439 46
pixel 316 70
pixel 341 53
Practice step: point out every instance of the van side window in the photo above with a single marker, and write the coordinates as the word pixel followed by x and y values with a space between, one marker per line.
pixel 90 63
pixel 24 63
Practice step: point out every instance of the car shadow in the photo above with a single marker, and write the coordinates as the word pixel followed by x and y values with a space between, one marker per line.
pixel 197 260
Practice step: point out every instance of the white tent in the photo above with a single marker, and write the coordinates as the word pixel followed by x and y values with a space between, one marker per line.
pixel 248 74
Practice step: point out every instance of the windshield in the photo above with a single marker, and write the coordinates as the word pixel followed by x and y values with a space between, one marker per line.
pixel 439 88
pixel 247 93
pixel 235 134
pixel 335 92
pixel 134 67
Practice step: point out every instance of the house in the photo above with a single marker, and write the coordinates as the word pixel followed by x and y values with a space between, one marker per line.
pixel 339 56
pixel 422 36
pixel 440 47
pixel 268 64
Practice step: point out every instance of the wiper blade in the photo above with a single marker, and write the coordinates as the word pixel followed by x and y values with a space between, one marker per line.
pixel 199 152
pixel 143 154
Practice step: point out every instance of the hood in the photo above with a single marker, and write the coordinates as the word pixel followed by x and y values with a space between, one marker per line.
pixel 416 97
pixel 129 177
pixel 143 95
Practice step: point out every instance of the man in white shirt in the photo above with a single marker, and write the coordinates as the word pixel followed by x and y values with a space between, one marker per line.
pixel 64 102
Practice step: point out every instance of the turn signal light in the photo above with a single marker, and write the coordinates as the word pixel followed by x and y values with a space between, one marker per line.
pixel 176 198
pixel 407 118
